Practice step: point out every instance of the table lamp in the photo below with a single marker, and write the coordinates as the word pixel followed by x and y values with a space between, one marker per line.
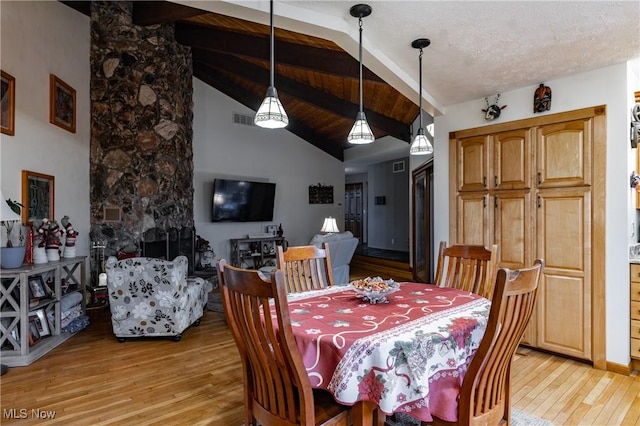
pixel 329 226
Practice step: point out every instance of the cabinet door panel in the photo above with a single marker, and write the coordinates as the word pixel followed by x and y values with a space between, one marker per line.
pixel 564 242
pixel 513 230
pixel 512 157
pixel 564 154
pixel 473 163
pixel 473 219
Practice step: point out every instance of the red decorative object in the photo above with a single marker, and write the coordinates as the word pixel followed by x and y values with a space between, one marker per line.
pixel 28 257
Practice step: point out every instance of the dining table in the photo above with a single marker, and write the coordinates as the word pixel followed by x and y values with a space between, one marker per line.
pixel 407 355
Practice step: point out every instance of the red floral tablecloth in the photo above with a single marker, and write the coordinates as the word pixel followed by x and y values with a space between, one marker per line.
pixel 408 355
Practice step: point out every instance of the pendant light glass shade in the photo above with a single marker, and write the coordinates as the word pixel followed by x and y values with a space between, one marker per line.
pixel 420 144
pixel 271 114
pixel 360 132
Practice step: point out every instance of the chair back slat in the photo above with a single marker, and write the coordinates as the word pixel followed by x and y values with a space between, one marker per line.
pixel 305 267
pixel 485 393
pixel 467 267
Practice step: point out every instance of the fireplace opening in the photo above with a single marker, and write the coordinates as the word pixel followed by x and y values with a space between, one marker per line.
pixel 168 244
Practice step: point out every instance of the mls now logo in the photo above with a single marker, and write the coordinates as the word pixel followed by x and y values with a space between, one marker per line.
pixel 23 413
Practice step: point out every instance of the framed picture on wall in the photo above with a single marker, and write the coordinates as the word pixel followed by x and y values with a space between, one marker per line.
pixel 7 103
pixel 62 104
pixel 38 196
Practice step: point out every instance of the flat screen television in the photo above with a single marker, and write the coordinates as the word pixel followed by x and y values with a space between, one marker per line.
pixel 242 201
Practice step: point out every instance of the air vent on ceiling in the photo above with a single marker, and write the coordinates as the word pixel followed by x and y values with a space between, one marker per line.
pixel 398 166
pixel 246 120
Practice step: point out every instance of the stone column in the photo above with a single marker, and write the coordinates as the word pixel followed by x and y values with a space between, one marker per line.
pixel 141 124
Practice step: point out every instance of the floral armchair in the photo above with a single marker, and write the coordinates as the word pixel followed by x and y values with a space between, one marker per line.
pixel 154 297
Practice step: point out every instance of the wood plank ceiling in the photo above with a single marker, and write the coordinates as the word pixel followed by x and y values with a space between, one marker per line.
pixel 317 81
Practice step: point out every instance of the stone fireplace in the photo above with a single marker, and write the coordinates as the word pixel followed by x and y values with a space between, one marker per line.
pixel 141 136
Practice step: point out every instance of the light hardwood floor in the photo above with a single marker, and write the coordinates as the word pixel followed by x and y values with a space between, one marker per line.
pixel 93 380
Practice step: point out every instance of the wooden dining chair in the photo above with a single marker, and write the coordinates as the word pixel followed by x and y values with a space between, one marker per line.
pixel 277 390
pixel 305 267
pixel 467 267
pixel 486 389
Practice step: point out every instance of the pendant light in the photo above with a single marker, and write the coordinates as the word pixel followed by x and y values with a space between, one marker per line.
pixel 420 145
pixel 271 114
pixel 360 132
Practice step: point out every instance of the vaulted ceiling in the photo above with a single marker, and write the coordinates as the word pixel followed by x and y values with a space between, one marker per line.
pixel 317 81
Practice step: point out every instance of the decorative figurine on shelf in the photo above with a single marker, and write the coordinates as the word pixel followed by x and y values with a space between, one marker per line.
pixel 542 99
pixel 39 241
pixel 493 111
pixel 52 240
pixel 70 240
pixel 280 231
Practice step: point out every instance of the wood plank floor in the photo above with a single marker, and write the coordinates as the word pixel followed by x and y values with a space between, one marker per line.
pixel 93 380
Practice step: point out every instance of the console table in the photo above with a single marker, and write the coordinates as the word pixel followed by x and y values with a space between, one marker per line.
pixel 15 307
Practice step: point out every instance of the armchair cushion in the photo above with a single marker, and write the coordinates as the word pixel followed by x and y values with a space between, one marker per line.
pixel 342 246
pixel 153 297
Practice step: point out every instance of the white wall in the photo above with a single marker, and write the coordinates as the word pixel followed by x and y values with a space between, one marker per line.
pixel 605 86
pixel 227 150
pixel 39 38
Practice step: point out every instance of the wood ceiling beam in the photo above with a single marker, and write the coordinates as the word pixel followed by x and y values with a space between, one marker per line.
pixel 218 80
pixel 161 12
pixel 257 46
pixel 303 92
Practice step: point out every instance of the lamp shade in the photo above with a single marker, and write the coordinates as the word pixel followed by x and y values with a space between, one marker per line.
pixel 329 226
pixel 360 132
pixel 271 114
pixel 6 214
pixel 421 145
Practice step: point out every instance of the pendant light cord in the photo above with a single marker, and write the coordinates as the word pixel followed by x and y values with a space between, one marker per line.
pixel 360 53
pixel 272 56
pixel 420 94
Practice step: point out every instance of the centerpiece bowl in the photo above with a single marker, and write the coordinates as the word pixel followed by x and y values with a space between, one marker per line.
pixel 375 290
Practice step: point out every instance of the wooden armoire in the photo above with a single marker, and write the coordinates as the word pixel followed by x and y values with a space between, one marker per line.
pixel 536 188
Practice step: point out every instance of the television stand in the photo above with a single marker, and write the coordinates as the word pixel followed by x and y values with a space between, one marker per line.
pixel 254 253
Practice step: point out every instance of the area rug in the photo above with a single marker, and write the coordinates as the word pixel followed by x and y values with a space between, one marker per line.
pixel 518 418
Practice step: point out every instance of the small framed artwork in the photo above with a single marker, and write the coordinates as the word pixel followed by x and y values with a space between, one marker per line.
pixel 7 103
pixel 320 194
pixel 272 229
pixel 37 287
pixel 39 318
pixel 38 196
pixel 62 104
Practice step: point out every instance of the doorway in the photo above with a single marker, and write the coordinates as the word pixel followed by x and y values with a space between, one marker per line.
pixel 353 209
pixel 422 222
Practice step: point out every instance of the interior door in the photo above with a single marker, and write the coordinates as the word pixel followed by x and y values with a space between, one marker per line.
pixel 353 209
pixel 422 223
